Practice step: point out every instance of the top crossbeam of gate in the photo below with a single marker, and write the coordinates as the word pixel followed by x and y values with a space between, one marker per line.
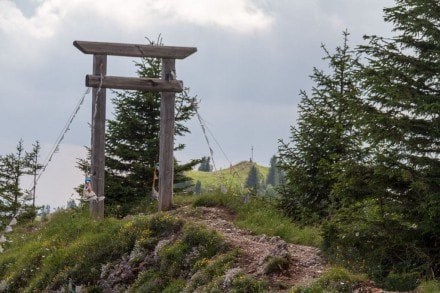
pixel 134 50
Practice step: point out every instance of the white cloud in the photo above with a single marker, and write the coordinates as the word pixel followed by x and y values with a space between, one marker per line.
pixel 40 25
pixel 238 15
pixel 51 15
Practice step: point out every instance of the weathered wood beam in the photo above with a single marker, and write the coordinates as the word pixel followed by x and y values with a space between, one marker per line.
pixel 134 83
pixel 166 140
pixel 98 139
pixel 134 50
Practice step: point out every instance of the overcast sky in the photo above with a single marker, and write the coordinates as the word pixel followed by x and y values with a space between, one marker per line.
pixel 253 58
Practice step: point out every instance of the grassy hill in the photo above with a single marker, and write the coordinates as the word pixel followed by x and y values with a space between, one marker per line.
pixel 152 252
pixel 166 252
pixel 233 178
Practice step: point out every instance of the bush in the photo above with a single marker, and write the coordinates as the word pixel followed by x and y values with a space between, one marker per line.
pixel 275 264
pixel 364 239
pixel 429 287
pixel 334 280
pixel 401 282
pixel 179 258
pixel 244 284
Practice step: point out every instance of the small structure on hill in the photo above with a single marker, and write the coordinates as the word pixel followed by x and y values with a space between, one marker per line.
pixel 167 85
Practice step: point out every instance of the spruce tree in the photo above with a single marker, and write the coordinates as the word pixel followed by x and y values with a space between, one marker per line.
pixel 274 176
pixel 253 178
pixel 33 168
pixel 401 80
pixel 325 137
pixel 12 169
pixel 205 164
pixel 132 138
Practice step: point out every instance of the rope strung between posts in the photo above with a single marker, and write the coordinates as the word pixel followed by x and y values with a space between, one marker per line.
pixel 206 129
pixel 195 104
pixel 55 148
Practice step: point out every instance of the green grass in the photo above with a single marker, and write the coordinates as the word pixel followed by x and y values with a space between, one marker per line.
pixel 429 287
pixel 70 246
pixel 261 216
pixel 335 280
pixel 73 247
pixel 232 178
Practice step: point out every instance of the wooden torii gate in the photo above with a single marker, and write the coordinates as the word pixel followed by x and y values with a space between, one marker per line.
pixel 167 85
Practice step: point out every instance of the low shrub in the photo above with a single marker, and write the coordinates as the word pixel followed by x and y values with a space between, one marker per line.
pixel 275 264
pixel 364 239
pixel 431 286
pixel 335 280
pixel 401 281
pixel 180 257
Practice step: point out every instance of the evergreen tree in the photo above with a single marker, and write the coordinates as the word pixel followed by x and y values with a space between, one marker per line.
pixel 71 204
pixel 205 164
pixel 33 167
pixel 325 137
pixel 253 178
pixel 274 173
pixel 401 80
pixel 132 138
pixel 12 168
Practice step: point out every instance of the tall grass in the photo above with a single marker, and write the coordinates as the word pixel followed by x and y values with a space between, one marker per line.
pixel 70 246
pixel 260 215
pixel 73 248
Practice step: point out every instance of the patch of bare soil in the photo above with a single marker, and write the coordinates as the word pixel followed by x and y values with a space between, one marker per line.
pixel 305 263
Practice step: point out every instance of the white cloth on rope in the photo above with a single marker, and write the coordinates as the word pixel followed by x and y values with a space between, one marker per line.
pixel 8 229
pixel 1 249
pixel 3 239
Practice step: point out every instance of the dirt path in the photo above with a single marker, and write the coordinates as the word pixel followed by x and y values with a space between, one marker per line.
pixel 306 263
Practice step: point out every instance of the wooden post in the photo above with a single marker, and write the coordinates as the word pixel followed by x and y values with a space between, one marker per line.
pixel 98 138
pixel 167 85
pixel 166 139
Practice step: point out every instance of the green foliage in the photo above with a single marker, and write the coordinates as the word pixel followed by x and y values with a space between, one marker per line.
pixel 429 287
pixel 233 178
pixel 12 169
pixel 275 264
pixel 262 216
pixel 401 281
pixel 150 280
pixel 144 205
pixel 253 180
pixel 335 280
pixel 162 224
pixel 132 138
pixel 401 123
pixel 210 270
pixel 170 255
pixel 197 243
pixel 245 284
pixel 274 175
pixel 326 135
pixel 70 246
pixel 205 165
pixel 365 238
pixel 363 158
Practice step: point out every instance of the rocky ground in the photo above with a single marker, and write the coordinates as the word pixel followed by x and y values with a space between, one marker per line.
pixel 306 263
